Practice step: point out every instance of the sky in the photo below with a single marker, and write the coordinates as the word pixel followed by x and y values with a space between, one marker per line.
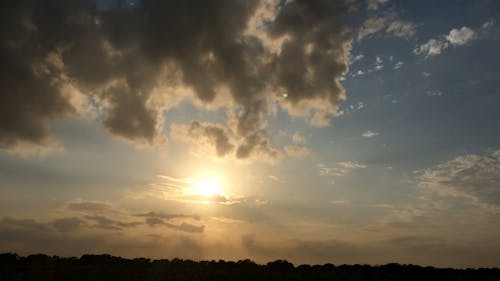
pixel 349 131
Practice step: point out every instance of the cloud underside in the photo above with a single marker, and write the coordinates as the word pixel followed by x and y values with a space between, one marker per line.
pixel 128 64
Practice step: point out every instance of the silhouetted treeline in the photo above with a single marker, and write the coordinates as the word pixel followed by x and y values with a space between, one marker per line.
pixel 41 267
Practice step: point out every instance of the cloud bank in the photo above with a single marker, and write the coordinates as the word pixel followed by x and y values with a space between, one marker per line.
pixel 130 61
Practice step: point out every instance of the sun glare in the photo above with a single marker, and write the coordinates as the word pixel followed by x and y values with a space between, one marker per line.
pixel 207 187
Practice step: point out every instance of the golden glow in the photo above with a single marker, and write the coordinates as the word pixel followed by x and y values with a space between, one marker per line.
pixel 207 187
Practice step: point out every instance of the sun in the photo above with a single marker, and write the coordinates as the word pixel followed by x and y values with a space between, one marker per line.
pixel 207 187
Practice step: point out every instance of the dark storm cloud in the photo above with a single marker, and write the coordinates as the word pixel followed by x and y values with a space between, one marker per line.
pixel 314 57
pixel 30 98
pixel 131 60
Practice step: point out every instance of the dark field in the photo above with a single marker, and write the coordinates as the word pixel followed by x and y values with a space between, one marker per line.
pixel 108 268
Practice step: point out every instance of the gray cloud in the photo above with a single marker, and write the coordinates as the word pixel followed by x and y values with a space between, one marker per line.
pixel 388 23
pixel 313 58
pixel 161 219
pixel 131 63
pixel 205 135
pixel 167 216
pixel 308 65
pixel 476 176
pixel 31 98
pixel 257 144
pixel 400 28
pixel 187 227
pixel 221 141
pixel 28 236
pixel 375 4
pixel 107 223
pixel 29 224
pixel 88 206
pixel 68 224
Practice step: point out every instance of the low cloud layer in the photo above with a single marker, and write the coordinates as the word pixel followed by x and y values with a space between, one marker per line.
pixel 126 63
pixel 29 236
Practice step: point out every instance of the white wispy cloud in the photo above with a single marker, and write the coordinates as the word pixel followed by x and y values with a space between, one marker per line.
pixel 398 65
pixel 370 134
pixel 401 28
pixel 434 93
pixel 488 24
pixel 298 138
pixel 297 151
pixel 354 59
pixel 432 47
pixel 340 169
pixel 379 63
pixel 375 4
pixel 388 23
pixel 274 178
pixel 456 37
pixel 472 176
pixel 351 109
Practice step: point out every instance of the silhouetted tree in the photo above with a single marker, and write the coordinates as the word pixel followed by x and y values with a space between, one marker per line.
pixel 106 267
